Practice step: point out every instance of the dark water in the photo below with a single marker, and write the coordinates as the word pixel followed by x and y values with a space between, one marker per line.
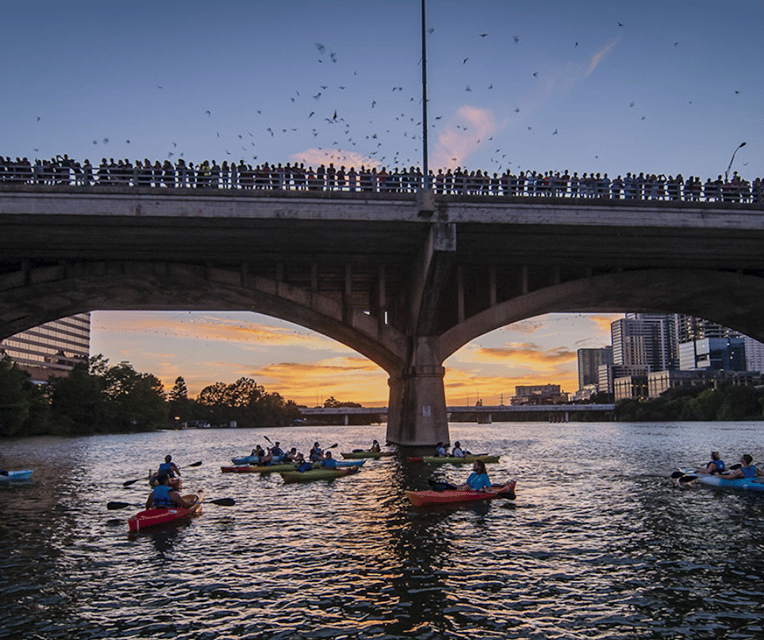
pixel 598 544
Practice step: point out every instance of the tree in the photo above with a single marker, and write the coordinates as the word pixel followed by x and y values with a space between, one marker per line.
pixel 78 403
pixel 179 404
pixel 136 400
pixel 15 398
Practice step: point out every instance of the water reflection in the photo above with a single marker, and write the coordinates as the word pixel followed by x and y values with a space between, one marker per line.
pixel 599 542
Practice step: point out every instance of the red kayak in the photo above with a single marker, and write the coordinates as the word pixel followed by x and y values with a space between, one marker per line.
pixel 155 517
pixel 451 496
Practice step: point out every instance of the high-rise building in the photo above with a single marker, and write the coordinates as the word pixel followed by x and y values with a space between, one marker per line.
pixel 52 349
pixel 589 361
pixel 644 339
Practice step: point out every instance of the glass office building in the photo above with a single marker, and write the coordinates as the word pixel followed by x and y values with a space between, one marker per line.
pixel 52 349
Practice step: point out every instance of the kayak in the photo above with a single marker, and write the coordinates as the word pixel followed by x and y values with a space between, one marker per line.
pixel 454 496
pixel 374 455
pixel 17 475
pixel 271 468
pixel 255 460
pixel 155 517
pixel 176 482
pixel 317 474
pixel 741 484
pixel 452 460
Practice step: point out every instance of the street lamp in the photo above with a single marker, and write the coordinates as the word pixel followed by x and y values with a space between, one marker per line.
pixel 727 172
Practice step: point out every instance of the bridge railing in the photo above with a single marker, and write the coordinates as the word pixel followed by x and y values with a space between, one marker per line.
pixel 68 172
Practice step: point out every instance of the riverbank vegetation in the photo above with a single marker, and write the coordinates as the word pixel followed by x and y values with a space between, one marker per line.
pixel 100 398
pixel 706 404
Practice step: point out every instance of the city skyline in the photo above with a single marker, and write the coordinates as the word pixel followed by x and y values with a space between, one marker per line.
pixel 610 87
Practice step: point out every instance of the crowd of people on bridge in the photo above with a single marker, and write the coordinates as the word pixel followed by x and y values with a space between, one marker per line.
pixel 63 170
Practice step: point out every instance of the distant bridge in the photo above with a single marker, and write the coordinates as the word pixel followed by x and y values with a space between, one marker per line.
pixel 483 414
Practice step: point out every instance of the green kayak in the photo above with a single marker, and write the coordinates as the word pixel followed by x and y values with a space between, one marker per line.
pixel 317 474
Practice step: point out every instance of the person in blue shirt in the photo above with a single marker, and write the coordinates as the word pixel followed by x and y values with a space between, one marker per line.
pixel 478 480
pixel 440 450
pixel 328 462
pixel 746 470
pixel 457 452
pixel 163 496
pixel 168 467
pixel 715 466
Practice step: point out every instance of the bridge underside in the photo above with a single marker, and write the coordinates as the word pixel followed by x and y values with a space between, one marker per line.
pixel 406 290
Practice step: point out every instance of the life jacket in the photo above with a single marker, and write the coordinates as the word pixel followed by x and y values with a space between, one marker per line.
pixel 162 499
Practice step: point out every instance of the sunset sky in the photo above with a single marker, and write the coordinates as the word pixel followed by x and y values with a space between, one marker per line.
pixel 599 86
pixel 308 368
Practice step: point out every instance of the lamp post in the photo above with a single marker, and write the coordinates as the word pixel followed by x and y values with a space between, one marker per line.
pixel 425 164
pixel 727 172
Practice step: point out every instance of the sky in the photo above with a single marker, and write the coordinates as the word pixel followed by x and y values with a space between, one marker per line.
pixel 602 86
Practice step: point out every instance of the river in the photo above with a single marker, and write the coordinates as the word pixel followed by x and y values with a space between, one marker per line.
pixel 599 543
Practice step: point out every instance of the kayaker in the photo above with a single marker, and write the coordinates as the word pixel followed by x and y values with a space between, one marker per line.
pixel 375 447
pixel 746 470
pixel 291 455
pixel 714 466
pixel 163 496
pixel 316 453
pixel 302 464
pixel 328 462
pixel 168 467
pixel 478 479
pixel 440 451
pixel 457 451
pixel 276 450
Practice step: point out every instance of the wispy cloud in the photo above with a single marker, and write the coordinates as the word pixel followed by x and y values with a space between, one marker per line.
pixel 471 126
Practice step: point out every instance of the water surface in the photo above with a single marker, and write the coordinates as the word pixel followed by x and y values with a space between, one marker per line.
pixel 598 544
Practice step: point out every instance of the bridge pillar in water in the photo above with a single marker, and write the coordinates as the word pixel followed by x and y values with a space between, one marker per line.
pixel 416 411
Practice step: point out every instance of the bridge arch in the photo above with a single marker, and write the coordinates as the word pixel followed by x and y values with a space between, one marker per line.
pixel 56 292
pixel 732 299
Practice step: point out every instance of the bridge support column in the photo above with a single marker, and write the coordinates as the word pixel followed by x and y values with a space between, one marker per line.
pixel 416 412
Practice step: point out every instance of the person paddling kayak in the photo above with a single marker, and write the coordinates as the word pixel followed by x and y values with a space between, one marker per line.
pixel 714 466
pixel 478 479
pixel 163 496
pixel 746 470
pixel 168 467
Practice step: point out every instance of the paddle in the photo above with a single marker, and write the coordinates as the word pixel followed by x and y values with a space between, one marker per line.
pixel 684 478
pixel 222 502
pixel 127 483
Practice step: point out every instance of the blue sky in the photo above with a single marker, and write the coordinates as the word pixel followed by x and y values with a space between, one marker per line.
pixel 660 87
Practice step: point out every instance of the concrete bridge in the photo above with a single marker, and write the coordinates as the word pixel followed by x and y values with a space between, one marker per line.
pixel 404 279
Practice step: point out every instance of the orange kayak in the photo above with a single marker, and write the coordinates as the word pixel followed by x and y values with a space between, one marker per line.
pixel 452 496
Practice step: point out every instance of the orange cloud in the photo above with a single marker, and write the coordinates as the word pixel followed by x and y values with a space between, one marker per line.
pixel 462 135
pixel 315 157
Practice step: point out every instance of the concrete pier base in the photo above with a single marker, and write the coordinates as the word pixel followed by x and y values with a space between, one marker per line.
pixel 417 414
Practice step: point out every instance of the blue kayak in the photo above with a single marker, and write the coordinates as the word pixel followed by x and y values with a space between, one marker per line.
pixel 739 484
